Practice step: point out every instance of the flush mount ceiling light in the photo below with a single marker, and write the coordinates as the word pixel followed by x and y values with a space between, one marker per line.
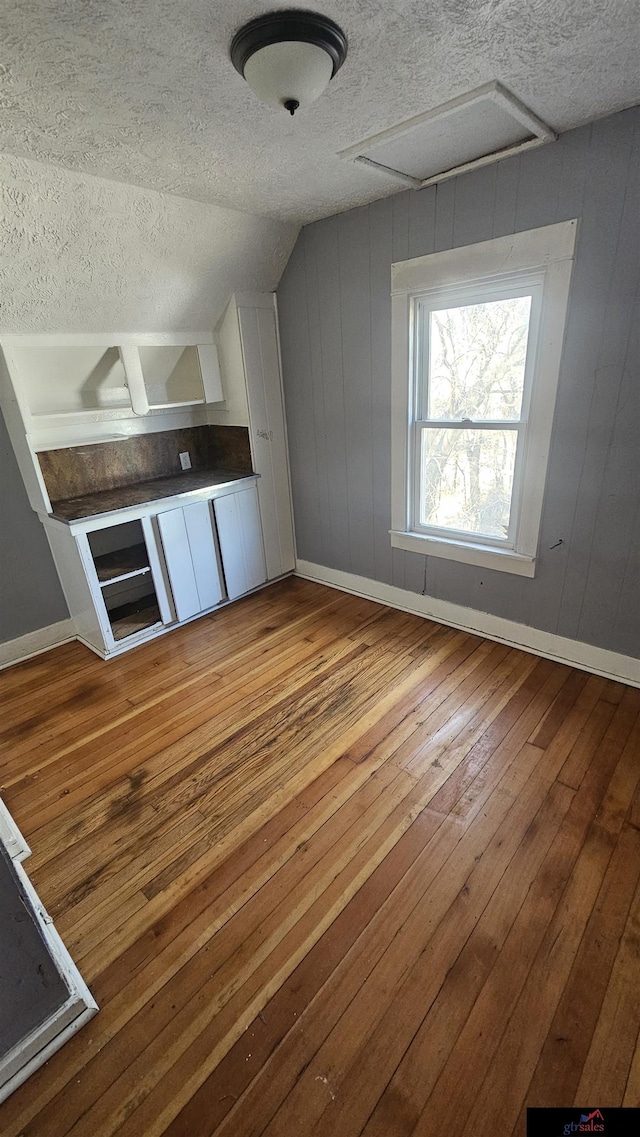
pixel 289 57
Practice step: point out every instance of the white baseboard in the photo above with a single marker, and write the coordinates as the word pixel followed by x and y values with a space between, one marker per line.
pixel 598 660
pixel 15 651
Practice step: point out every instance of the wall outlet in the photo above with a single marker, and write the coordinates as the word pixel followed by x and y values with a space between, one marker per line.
pixel 185 460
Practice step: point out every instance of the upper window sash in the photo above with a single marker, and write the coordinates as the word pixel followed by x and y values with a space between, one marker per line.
pixel 484 291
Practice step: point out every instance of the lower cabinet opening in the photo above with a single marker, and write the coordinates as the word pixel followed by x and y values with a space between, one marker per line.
pixel 134 616
pixel 122 567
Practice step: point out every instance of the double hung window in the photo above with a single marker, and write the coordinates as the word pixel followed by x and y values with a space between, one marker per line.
pixel 477 336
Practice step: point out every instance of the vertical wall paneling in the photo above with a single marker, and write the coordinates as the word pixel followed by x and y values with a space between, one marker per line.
pixel 322 537
pixel 617 412
pixel 296 363
pixel 627 619
pixel 574 173
pixel 585 588
pixel 445 207
pixel 399 252
pixel 611 276
pixel 422 217
pixel 536 192
pixel 506 197
pixel 336 548
pixel 30 592
pixel 355 284
pixel 474 203
pixel 538 187
pixel 380 232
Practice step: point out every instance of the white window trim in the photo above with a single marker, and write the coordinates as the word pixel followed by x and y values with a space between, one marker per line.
pixel 547 251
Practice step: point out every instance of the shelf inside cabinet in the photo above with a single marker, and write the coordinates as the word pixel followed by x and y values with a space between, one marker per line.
pixel 136 616
pixel 122 563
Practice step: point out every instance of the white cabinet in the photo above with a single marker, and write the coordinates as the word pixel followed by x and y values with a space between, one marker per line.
pixel 240 536
pixel 69 380
pixel 59 391
pixel 125 578
pixel 65 390
pixel 113 582
pixel 250 362
pixel 129 577
pixel 164 376
pixel 191 558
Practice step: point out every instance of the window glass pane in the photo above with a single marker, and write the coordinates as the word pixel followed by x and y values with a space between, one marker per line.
pixel 466 479
pixel 477 357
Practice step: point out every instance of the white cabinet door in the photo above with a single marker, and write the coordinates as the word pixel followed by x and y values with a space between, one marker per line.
pixel 204 555
pixel 191 558
pixel 240 537
pixel 175 543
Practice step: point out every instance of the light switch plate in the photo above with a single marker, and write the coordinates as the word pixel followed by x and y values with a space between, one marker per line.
pixel 185 460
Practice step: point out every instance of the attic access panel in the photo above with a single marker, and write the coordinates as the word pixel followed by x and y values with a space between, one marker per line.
pixel 472 130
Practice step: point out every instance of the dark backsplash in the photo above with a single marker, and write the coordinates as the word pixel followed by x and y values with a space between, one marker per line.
pixel 80 470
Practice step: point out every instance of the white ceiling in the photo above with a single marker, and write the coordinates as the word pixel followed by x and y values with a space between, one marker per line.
pixel 143 91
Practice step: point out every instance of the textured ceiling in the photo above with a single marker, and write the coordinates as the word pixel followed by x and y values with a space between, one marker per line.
pixel 143 90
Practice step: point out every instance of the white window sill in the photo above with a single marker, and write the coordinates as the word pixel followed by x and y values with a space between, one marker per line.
pixel 485 556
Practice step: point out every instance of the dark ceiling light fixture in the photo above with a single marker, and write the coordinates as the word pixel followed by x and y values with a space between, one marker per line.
pixel 289 57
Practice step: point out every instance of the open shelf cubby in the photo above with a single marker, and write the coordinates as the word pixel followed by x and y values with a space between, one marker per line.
pixel 120 564
pixel 134 616
pixel 122 567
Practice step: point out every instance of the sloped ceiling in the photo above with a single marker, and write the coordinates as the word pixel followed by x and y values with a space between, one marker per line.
pixel 143 90
pixel 85 254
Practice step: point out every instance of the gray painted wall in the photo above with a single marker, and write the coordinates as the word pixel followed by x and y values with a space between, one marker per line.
pixel 30 592
pixel 334 307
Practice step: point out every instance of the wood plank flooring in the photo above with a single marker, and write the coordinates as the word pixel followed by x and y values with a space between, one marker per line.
pixel 330 868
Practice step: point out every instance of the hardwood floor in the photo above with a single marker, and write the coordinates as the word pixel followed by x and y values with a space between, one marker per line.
pixel 330 869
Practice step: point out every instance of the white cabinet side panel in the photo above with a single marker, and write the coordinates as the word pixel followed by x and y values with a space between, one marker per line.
pixel 235 411
pixel 268 438
pixel 203 553
pixel 84 603
pixel 210 372
pixel 130 356
pixel 173 531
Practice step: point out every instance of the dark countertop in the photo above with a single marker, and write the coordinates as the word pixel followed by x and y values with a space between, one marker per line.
pixel 142 493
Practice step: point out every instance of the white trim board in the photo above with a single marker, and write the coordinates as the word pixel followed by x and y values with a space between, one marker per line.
pixel 587 657
pixel 11 837
pixel 36 1048
pixel 368 150
pixel 33 643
